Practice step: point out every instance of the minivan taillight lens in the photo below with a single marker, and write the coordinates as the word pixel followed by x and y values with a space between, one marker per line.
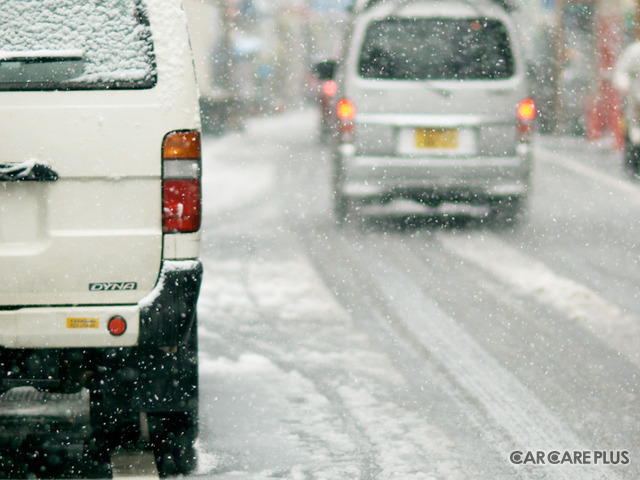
pixel 527 109
pixel 181 185
pixel 346 111
pixel 526 117
pixel 329 88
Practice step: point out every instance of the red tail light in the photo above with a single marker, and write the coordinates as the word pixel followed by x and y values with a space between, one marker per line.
pixel 526 117
pixel 346 113
pixel 329 88
pixel 527 110
pixel 346 109
pixel 181 188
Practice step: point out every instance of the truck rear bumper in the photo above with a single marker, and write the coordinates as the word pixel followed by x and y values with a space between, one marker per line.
pixel 163 318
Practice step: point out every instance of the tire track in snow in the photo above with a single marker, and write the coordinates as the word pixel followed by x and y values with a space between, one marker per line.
pixel 479 449
pixel 630 191
pixel 529 424
pixel 533 278
pixel 392 437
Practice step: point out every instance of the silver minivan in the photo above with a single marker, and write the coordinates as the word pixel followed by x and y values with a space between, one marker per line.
pixel 433 107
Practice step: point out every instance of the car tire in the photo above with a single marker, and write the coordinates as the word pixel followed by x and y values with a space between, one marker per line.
pixel 340 202
pixel 631 157
pixel 173 434
pixel 326 133
pixel 113 421
pixel 340 208
pixel 173 438
pixel 507 212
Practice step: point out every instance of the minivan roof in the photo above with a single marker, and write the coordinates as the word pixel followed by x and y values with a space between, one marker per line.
pixel 435 8
pixel 360 5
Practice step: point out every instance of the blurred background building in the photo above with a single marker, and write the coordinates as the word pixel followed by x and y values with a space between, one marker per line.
pixel 575 46
pixel 255 57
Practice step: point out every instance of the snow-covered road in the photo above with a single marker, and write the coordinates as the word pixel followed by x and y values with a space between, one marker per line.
pixel 416 349
pixel 402 345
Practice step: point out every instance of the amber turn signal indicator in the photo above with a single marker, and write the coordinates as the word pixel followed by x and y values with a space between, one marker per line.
pixel 181 145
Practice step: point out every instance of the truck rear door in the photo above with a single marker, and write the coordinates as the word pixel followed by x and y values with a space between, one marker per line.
pixel 80 166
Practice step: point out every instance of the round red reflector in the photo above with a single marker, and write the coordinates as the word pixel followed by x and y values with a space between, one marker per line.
pixel 527 109
pixel 117 325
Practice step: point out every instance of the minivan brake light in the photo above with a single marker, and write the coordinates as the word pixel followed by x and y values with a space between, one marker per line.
pixel 527 110
pixel 346 113
pixel 526 117
pixel 346 109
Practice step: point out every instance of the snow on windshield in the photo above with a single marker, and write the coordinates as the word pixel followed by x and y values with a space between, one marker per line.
pixel 112 35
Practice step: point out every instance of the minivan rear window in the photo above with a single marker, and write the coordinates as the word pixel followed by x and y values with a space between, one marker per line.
pixel 436 49
pixel 75 44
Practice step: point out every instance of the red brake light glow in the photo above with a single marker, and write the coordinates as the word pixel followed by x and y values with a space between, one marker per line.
pixel 527 109
pixel 346 109
pixel 329 88
pixel 181 187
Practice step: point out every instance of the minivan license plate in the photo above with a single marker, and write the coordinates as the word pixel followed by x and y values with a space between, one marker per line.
pixel 436 138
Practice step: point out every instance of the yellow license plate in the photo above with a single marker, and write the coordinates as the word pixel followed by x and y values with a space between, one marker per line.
pixel 436 138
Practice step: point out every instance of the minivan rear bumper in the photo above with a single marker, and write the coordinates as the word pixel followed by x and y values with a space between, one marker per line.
pixel 478 178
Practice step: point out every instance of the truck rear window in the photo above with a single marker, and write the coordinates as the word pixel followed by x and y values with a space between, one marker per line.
pixel 75 44
pixel 436 49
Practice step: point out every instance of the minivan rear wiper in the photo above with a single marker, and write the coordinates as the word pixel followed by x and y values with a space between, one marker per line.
pixel 436 87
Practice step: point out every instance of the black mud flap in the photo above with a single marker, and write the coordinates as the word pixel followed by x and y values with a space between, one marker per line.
pixel 168 312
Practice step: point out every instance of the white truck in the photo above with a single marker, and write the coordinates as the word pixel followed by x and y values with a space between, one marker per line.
pixel 100 206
